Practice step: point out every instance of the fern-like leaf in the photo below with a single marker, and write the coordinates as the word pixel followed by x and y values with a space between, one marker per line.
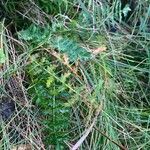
pixel 46 36
pixel 72 49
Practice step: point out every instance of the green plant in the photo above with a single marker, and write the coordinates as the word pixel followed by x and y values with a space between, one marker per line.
pixel 2 54
pixel 67 83
pixel 40 36
pixel 50 95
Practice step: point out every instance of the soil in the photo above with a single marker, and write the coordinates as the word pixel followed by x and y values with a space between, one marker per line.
pixel 7 107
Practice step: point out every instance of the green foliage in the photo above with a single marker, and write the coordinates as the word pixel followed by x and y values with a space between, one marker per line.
pixel 72 49
pixel 53 7
pixel 117 78
pixel 35 34
pixel 38 35
pixel 49 95
pixel 2 56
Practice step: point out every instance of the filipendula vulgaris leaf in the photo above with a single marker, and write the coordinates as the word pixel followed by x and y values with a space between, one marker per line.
pixel 49 95
pixel 35 34
pixel 72 49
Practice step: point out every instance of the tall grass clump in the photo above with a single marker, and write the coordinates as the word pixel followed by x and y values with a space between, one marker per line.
pixel 83 69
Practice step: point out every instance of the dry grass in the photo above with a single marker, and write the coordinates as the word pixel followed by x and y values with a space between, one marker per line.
pixel 22 127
